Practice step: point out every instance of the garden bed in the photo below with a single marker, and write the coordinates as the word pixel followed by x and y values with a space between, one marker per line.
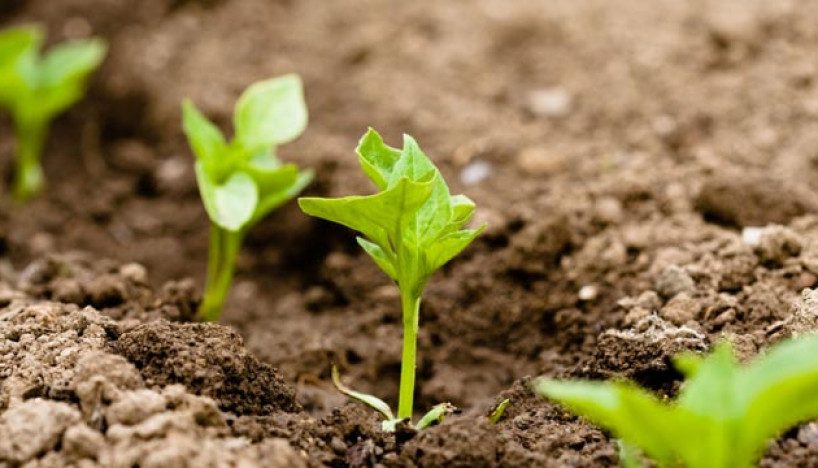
pixel 621 153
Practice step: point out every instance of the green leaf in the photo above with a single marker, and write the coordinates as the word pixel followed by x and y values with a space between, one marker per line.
pixel 271 112
pixel 778 391
pixel 204 137
pixel 629 412
pixel 462 210
pixel 18 40
pixel 380 257
pixel 725 414
pixel 436 415
pixel 414 221
pixel 447 247
pixel 231 204
pixel 71 61
pixel 498 412
pixel 279 187
pixel 17 44
pixel 376 158
pixel 629 456
pixel 382 217
pixel 370 400
pixel 63 72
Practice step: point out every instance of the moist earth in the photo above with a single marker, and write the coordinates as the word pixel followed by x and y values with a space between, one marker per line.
pixel 647 172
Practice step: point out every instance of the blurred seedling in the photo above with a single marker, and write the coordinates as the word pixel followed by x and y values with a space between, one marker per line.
pixel 724 416
pixel 243 180
pixel 35 88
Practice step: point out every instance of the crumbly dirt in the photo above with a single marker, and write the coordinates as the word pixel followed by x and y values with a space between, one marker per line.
pixel 647 171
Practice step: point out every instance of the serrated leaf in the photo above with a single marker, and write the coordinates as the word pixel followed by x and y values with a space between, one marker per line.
pixel 204 137
pixel 462 210
pixel 414 221
pixel 382 217
pixel 271 112
pixel 376 158
pixel 230 204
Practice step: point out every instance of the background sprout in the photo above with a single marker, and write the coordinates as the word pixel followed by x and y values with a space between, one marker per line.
pixel 724 415
pixel 240 182
pixel 35 89
pixel 412 227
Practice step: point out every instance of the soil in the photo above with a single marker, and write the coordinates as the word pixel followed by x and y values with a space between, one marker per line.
pixel 647 171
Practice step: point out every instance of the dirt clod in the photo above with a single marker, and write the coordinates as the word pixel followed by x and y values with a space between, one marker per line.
pixel 210 360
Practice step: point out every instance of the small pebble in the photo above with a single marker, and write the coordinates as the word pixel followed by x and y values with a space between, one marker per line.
pixel 550 102
pixel 588 292
pixel 681 309
pixel 475 172
pixel 540 161
pixel 134 272
pixel 778 243
pixel 673 280
pixel 808 434
pixel 751 235
pixel 609 210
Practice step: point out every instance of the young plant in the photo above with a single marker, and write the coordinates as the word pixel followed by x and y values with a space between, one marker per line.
pixel 35 89
pixel 724 415
pixel 411 228
pixel 240 182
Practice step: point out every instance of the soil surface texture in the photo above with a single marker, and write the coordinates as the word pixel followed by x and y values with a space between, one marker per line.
pixel 648 172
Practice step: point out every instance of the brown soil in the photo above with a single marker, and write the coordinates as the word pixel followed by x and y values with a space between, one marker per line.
pixel 617 151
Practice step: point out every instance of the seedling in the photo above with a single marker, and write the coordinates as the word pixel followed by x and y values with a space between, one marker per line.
pixel 499 411
pixel 411 228
pixel 240 182
pixel 724 415
pixel 35 89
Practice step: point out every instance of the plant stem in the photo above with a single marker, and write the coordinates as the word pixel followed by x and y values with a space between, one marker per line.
pixel 28 176
pixel 224 248
pixel 410 305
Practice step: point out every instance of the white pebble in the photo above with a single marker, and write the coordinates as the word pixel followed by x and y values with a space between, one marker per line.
pixel 550 102
pixel 475 172
pixel 588 292
pixel 752 235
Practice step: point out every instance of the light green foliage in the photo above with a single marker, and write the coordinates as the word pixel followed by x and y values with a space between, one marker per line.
pixel 241 181
pixel 725 414
pixel 411 228
pixel 35 89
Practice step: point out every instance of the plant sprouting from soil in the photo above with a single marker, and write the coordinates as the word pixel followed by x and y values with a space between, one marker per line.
pixel 724 415
pixel 241 181
pixel 35 88
pixel 411 228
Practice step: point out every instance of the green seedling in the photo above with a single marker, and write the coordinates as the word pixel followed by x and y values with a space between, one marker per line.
pixel 411 228
pixel 35 89
pixel 499 411
pixel 241 181
pixel 724 416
